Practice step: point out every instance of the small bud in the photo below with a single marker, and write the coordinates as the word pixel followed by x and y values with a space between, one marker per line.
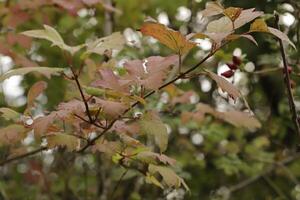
pixel 236 60
pixel 232 66
pixel 228 74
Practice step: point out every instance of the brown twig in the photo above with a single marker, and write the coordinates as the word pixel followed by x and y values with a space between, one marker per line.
pixel 22 156
pixel 287 81
pixel 75 76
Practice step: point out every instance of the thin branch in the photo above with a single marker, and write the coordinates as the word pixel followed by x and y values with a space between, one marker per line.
pixel 22 156
pixel 75 76
pixel 288 82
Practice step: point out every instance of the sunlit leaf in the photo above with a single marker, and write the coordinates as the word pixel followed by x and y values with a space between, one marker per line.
pixel 49 33
pixel 172 39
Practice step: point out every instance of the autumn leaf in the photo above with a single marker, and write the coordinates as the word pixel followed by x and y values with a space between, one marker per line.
pixel 170 178
pixel 172 39
pixel 212 8
pixel 49 33
pixel 241 119
pixel 234 117
pixel 247 16
pixel 46 71
pixel 34 92
pixel 154 158
pixel 12 134
pixel 226 86
pixel 111 108
pixel 63 140
pixel 110 80
pixel 232 12
pixel 237 36
pixel 152 126
pixel 259 25
pixel 151 71
pixel 222 25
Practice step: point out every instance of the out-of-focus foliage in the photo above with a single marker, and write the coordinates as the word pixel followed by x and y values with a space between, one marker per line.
pixel 220 152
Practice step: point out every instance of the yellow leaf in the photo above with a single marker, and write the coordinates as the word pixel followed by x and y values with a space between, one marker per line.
pixel 232 12
pixel 172 39
pixel 259 25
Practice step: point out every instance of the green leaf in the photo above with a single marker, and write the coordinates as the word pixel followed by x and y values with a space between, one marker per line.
pixel 153 126
pixel 49 33
pixel 9 114
pixel 46 71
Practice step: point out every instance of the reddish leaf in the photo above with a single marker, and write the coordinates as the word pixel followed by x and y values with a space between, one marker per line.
pixel 34 92
pixel 110 81
pixel 150 72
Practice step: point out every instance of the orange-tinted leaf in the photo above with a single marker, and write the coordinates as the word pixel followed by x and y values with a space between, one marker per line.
pixel 259 25
pixel 172 39
pixel 232 12
pixel 34 92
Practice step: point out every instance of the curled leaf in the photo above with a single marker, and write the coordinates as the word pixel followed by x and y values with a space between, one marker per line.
pixel 49 33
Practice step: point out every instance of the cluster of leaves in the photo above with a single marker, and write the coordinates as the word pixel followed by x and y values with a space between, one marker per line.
pixel 109 111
